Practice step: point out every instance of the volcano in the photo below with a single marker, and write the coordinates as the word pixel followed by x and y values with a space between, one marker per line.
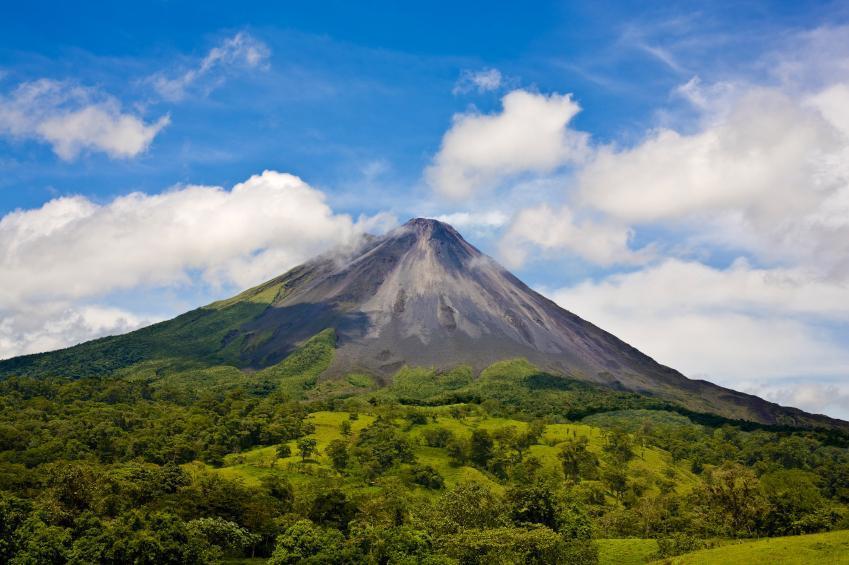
pixel 420 295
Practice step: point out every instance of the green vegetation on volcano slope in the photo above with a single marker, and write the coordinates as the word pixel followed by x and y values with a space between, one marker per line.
pixel 176 462
pixel 194 339
pixel 203 337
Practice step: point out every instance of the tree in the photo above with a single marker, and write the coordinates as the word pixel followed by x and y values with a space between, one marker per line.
pixel 437 437
pixel 13 512
pixel 426 476
pixel 535 431
pixel 229 536
pixel 305 540
pixel 39 543
pixel 469 505
pixel 346 427
pixel 577 461
pixel 381 446
pixel 795 503
pixel 619 446
pixel 534 503
pixel 731 500
pixel 457 450
pixel 280 490
pixel 480 447
pixel 337 450
pixel 284 450
pixel 537 546
pixel 306 447
pixel 616 479
pixel 333 509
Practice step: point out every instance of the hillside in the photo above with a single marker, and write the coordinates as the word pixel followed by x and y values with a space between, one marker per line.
pixel 420 296
pixel 831 548
pixel 159 463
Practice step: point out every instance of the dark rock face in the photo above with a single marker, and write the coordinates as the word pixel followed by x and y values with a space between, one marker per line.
pixel 422 295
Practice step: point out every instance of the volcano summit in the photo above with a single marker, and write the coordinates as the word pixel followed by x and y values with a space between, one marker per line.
pixel 420 295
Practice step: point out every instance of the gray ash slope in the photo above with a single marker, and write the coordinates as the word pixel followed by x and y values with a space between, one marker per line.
pixel 423 296
pixel 420 296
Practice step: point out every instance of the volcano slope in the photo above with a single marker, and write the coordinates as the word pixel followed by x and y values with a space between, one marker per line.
pixel 420 295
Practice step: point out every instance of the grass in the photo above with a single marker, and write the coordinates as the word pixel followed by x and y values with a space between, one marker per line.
pixel 654 465
pixel 831 548
pixel 632 551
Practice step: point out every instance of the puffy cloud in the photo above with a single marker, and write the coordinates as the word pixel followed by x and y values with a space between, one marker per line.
pixel 767 172
pixel 33 329
pixel 764 156
pixel 484 80
pixel 73 119
pixel 530 134
pixel 55 260
pixel 542 226
pixel 731 325
pixel 760 171
pixel 72 248
pixel 241 51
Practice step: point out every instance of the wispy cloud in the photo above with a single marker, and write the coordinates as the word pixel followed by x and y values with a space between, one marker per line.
pixel 242 51
pixel 72 119
pixel 484 80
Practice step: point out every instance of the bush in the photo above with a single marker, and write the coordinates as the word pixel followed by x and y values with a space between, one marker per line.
pixel 337 450
pixel 426 476
pixel 304 540
pixel 381 446
pixel 677 544
pixel 469 505
pixel 538 545
pixel 333 509
pixel 437 437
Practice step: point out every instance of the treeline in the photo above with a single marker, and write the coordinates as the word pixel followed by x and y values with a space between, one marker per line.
pixel 107 470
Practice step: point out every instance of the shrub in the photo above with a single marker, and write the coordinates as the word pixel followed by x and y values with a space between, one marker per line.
pixel 677 544
pixel 437 437
pixel 426 476
pixel 304 540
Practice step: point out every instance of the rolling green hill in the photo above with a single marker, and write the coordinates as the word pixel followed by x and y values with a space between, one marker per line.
pixel 193 463
pixel 293 424
pixel 831 548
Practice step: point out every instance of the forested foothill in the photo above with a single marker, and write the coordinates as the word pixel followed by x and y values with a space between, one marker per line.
pixel 164 462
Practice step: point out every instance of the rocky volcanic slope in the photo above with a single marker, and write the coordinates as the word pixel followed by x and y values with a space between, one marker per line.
pixel 420 295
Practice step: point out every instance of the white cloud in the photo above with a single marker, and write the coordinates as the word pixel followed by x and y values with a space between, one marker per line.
pixel 530 134
pixel 491 219
pixel 73 119
pixel 484 80
pixel 740 327
pixel 767 172
pixel 72 248
pixel 819 397
pixel 603 243
pixel 754 170
pixel 764 169
pixel 242 51
pixel 55 260
pixel 767 148
pixel 33 329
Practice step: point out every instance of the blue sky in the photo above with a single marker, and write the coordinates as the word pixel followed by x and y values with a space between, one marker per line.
pixel 677 175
